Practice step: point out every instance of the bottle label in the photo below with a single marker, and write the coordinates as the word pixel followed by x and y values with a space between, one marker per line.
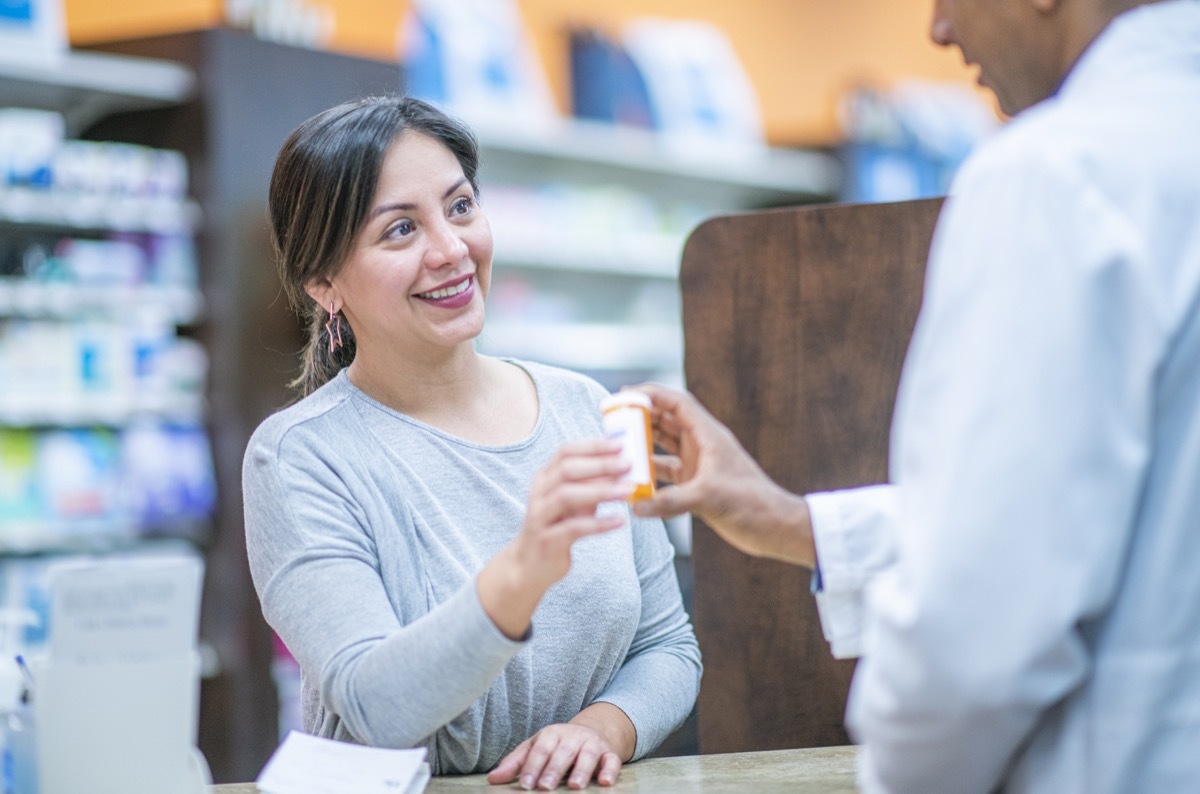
pixel 629 426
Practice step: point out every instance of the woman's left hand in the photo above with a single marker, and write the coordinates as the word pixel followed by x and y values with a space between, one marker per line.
pixel 578 752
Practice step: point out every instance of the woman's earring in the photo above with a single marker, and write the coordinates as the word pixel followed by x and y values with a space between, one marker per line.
pixel 334 326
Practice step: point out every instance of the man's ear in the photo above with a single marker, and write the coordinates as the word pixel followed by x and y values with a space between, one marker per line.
pixel 1046 7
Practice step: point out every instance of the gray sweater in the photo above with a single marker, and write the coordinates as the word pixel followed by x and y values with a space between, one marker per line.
pixel 365 530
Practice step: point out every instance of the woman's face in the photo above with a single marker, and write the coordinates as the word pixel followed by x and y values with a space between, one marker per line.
pixel 417 276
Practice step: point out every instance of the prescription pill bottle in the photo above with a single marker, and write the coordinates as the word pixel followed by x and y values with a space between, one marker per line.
pixel 626 417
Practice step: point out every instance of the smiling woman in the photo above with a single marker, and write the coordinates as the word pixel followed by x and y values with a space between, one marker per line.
pixel 408 516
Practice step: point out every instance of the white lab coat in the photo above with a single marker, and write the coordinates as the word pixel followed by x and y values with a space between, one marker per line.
pixel 1027 595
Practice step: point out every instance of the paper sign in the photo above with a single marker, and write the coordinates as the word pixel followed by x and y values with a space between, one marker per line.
pixel 306 764
pixel 121 609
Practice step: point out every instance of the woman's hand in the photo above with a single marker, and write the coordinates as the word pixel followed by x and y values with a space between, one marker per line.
pixel 590 747
pixel 562 509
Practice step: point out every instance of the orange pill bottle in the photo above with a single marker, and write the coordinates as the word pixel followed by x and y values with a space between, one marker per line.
pixel 626 416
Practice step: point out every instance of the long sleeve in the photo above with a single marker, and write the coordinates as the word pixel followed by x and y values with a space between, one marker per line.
pixel 1021 437
pixel 316 566
pixel 658 683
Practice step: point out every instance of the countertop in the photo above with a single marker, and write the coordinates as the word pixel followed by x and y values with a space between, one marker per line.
pixel 815 770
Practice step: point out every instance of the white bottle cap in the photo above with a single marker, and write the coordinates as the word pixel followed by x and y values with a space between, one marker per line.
pixel 625 397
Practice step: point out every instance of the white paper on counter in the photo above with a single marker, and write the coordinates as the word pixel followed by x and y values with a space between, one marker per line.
pixel 306 764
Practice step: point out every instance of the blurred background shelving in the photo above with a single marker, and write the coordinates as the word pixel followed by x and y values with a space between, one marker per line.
pixel 590 221
pixel 589 218
pixel 104 446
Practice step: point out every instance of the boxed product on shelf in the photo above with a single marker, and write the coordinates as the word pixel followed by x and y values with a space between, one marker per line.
pixel 606 84
pixel 168 475
pixel 19 498
pixel 47 178
pixel 702 98
pixel 32 31
pixel 474 57
pixel 29 140
pixel 61 485
pixel 78 476
pixel 96 370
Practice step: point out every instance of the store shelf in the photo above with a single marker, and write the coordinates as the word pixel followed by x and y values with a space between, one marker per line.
pixel 111 410
pixel 85 86
pixel 575 150
pixel 39 207
pixel 91 535
pixel 582 211
pixel 24 298
pixel 588 346
pixel 647 256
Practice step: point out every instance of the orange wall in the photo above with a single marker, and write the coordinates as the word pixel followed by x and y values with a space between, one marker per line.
pixel 92 21
pixel 800 54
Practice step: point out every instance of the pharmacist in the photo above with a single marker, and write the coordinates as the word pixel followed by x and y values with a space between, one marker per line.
pixel 1024 594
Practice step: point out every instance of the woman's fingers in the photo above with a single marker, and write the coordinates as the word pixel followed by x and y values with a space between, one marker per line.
pixel 506 771
pixel 572 529
pixel 572 500
pixel 562 751
pixel 567 752
pixel 544 743
pixel 564 505
pixel 610 767
pixel 580 461
pixel 586 763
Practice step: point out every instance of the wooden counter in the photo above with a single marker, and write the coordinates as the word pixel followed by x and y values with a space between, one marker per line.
pixel 817 770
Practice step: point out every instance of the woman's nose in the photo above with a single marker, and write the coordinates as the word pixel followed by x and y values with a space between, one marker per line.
pixel 446 247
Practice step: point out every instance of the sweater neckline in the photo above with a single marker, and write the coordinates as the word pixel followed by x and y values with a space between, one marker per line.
pixel 344 383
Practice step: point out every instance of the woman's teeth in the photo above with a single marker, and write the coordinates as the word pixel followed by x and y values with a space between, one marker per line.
pixel 447 292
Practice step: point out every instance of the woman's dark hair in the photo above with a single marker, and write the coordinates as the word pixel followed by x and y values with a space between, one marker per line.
pixel 321 191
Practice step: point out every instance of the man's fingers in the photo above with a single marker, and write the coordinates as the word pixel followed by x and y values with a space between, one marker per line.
pixel 686 408
pixel 666 502
pixel 669 425
pixel 668 468
pixel 663 398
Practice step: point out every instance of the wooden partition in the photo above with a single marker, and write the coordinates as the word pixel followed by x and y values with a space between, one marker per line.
pixel 795 325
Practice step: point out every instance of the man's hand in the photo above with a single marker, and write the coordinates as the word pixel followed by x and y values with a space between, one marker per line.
pixel 712 476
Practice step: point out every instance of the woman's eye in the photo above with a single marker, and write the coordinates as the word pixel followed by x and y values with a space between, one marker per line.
pixel 462 206
pixel 400 229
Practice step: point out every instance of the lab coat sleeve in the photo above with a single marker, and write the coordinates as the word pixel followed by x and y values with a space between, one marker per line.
pixel 1020 441
pixel 854 534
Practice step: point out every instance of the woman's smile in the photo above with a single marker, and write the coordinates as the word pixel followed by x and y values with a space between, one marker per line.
pixel 453 294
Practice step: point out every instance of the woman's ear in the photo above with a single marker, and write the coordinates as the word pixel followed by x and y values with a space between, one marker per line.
pixel 322 291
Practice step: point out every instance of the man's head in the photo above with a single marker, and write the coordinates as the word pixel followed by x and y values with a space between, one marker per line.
pixel 1024 48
